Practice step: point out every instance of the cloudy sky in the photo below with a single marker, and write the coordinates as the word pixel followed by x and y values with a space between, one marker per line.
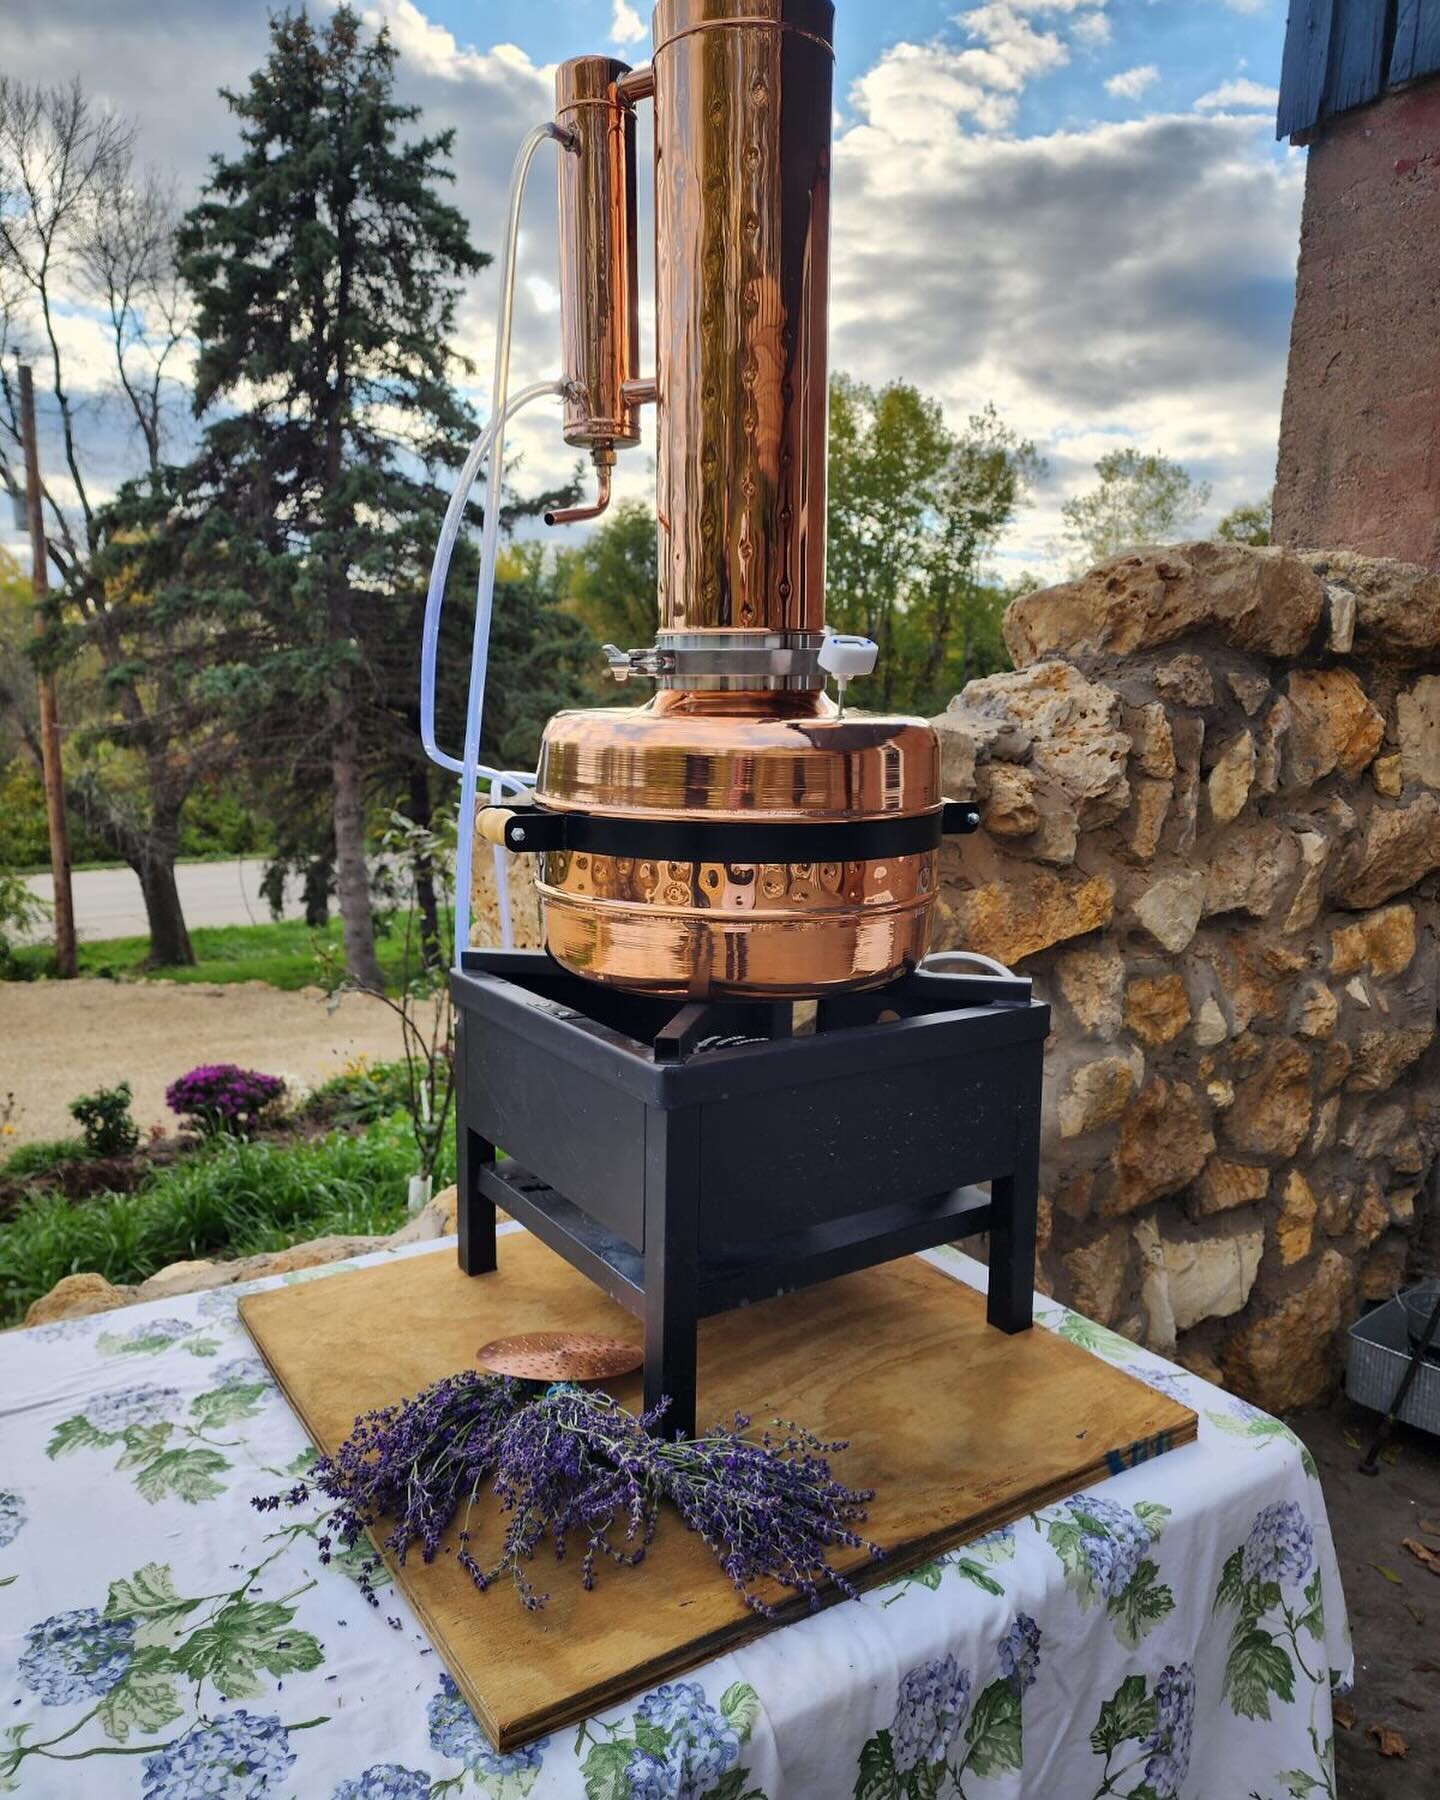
pixel 1072 208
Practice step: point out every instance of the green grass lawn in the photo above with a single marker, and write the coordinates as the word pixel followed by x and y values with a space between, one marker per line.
pixel 286 955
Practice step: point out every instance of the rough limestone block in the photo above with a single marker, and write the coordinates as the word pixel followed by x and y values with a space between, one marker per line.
pixel 1332 726
pixel 1264 600
pixel 1211 1278
pixel 77 1297
pixel 1400 847
pixel 1093 984
pixel 1228 783
pixel 1162 1145
pixel 1288 1357
pixel 1417 715
pixel 1170 909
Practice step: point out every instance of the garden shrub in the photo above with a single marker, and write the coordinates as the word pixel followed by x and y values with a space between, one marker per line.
pixel 222 1097
pixel 104 1117
pixel 40 1158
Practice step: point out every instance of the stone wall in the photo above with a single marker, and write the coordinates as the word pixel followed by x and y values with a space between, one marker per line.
pixel 1359 462
pixel 1212 803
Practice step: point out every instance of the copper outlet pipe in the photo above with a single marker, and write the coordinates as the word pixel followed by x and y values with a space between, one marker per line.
pixel 599 299
pixel 742 218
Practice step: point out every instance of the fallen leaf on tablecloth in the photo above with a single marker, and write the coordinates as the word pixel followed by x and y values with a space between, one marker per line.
pixel 1387 1740
pixel 1352 1440
pixel 1423 1553
pixel 1343 1713
pixel 1389 1574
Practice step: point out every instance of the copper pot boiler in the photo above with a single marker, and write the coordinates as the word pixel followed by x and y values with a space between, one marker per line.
pixel 740 834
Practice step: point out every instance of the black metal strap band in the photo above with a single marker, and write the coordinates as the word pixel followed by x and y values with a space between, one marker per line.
pixel 737 841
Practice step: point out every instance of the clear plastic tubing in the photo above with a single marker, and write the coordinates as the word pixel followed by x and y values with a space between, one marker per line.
pixel 492 443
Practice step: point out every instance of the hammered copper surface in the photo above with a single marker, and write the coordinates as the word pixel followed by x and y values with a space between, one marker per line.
pixel 599 296
pixel 779 954
pixel 742 216
pixel 741 756
pixel 559 1356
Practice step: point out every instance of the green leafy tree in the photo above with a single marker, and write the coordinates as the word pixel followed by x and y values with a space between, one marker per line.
pixel 1140 499
pixel 914 509
pixel 1247 524
pixel 325 267
pixel 80 221
pixel 614 577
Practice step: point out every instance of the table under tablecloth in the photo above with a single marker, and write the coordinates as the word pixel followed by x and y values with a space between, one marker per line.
pixel 1175 1631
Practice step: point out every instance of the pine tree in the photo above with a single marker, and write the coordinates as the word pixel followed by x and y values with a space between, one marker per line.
pixel 326 268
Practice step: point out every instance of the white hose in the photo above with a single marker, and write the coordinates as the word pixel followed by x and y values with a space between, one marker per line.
pixel 491 444
pixel 440 571
pixel 927 964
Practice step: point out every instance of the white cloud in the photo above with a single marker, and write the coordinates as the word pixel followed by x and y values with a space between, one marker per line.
pixel 1126 283
pixel 1246 6
pixel 1130 84
pixel 1242 95
pixel 626 25
pixel 918 93
pixel 1091 30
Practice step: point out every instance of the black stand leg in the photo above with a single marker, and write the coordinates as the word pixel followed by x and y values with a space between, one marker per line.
pixel 1010 1305
pixel 672 1266
pixel 474 1214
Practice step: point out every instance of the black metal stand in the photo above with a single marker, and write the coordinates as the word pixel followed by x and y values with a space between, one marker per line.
pixel 689 1159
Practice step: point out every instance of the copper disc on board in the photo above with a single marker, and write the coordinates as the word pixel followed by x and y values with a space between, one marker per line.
pixel 559 1356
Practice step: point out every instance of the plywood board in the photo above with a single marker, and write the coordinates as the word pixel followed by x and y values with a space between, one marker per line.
pixel 958 1428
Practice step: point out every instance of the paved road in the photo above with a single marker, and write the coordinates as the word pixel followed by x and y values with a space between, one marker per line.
pixel 108 902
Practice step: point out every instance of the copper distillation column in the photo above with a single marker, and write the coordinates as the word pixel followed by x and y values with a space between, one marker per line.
pixel 738 835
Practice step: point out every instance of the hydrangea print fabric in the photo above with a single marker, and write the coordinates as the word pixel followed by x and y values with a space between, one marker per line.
pixel 1171 1634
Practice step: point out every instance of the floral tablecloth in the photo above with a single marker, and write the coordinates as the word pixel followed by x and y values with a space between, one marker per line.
pixel 1175 1632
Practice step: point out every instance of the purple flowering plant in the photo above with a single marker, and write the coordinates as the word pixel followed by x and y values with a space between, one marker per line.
pixel 222 1097
pixel 569 1464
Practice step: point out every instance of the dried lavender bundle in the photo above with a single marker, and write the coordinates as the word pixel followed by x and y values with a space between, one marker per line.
pixel 563 1462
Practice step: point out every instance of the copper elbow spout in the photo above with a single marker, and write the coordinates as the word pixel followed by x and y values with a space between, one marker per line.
pixel 574 515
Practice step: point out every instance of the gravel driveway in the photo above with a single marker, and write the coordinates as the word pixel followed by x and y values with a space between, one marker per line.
pixel 63 1038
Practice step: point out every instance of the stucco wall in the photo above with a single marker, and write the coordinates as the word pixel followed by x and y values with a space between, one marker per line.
pixel 1359 463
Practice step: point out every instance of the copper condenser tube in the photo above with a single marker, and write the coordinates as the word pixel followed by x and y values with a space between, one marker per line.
pixel 599 301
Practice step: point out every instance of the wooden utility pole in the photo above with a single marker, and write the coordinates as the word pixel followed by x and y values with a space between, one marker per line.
pixel 49 712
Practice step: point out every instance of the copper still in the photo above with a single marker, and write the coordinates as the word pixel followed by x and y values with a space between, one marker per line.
pixel 740 834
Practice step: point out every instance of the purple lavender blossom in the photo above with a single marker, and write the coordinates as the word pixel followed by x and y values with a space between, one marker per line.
pixel 76 1656
pixel 116 1411
pixel 1113 1541
pixel 12 1517
pixel 385 1781
pixel 1281 1545
pixel 567 1465
pixel 234 1756
pixel 1019 1653
pixel 1169 1743
pixel 702 1742
pixel 455 1733
pixel 930 1709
